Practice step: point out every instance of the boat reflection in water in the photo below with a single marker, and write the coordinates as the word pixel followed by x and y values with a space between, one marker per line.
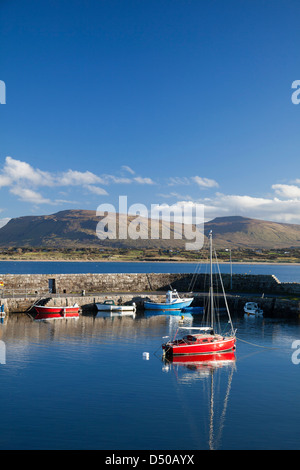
pixel 173 320
pixel 211 370
pixel 111 314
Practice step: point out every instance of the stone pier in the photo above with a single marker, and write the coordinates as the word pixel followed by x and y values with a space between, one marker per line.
pixel 20 292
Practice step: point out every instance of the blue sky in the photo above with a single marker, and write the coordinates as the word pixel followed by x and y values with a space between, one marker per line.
pixel 162 101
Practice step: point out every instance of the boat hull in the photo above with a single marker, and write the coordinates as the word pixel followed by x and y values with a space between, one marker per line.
pixel 215 346
pixel 52 313
pixel 253 313
pixel 212 358
pixel 115 308
pixel 168 306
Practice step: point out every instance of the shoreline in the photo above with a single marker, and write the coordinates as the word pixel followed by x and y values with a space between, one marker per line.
pixel 263 263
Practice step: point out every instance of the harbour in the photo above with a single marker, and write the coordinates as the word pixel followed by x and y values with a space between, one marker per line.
pixel 92 382
pixel 149 228
pixel 86 385
pixel 19 292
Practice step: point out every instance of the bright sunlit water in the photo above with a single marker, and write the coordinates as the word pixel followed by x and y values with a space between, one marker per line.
pixel 83 384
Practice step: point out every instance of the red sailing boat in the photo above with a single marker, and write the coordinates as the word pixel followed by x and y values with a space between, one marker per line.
pixel 45 312
pixel 206 340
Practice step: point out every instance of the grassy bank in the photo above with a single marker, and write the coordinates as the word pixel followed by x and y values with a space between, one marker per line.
pixel 132 255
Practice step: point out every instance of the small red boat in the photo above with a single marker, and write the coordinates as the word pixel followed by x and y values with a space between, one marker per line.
pixel 45 312
pixel 204 342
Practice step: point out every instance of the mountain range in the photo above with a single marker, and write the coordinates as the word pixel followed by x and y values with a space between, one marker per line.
pixel 77 228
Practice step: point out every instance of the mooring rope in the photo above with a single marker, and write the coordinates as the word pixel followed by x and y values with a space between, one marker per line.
pixel 253 344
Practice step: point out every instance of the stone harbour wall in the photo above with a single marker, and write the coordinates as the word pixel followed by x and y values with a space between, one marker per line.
pixel 120 282
pixel 19 292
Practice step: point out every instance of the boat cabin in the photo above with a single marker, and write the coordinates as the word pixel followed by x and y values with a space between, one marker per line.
pixel 251 305
pixel 171 296
pixel 204 335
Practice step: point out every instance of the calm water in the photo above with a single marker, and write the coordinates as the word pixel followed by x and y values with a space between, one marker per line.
pixel 285 273
pixel 84 384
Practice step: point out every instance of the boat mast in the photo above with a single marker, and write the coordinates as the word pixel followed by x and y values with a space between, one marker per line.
pixel 211 284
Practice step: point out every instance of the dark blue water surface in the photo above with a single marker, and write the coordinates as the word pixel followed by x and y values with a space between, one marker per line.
pixel 83 384
pixel 285 273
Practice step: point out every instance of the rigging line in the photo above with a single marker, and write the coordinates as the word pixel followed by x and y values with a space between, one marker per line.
pixel 227 308
pixel 223 415
pixel 194 278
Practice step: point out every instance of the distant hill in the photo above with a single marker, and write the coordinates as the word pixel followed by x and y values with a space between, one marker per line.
pixel 77 228
pixel 243 232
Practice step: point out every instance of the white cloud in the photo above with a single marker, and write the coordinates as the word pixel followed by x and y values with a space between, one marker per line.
pixel 285 208
pixel 23 180
pixel 205 182
pixel 77 178
pixel 187 212
pixel 185 181
pixel 287 190
pixel 179 180
pixel 141 180
pixel 16 171
pixel 128 169
pixel 96 190
pixel 273 209
pixel 28 195
pixel 116 179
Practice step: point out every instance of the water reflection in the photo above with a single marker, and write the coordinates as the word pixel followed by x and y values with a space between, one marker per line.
pixel 103 314
pixel 73 379
pixel 206 368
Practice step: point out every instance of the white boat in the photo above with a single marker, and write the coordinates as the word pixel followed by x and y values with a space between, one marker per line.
pixel 252 308
pixel 110 306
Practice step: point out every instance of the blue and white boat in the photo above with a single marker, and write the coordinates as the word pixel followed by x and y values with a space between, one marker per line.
pixel 173 302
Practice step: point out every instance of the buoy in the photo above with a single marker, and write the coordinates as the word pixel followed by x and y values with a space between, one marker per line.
pixel 146 356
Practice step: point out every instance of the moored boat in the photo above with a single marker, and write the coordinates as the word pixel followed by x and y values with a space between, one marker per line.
pixel 253 309
pixel 173 302
pixel 206 340
pixel 44 312
pixel 110 306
